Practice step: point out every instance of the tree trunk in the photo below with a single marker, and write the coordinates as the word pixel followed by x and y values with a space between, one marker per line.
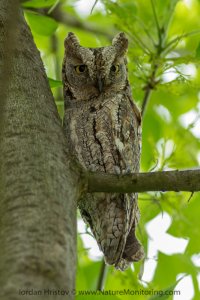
pixel 39 184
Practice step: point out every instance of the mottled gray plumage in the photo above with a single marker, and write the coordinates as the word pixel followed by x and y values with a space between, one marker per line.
pixel 102 125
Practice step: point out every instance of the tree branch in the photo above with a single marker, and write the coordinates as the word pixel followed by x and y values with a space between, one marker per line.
pixel 187 180
pixel 69 20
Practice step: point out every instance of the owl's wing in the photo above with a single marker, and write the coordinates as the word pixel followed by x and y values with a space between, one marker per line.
pixel 128 144
pixel 127 135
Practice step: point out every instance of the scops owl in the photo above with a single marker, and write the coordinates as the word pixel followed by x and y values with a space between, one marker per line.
pixel 102 125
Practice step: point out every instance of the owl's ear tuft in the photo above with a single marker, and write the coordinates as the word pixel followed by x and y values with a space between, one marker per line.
pixel 120 42
pixel 71 42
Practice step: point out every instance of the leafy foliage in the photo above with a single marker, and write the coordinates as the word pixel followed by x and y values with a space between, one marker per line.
pixel 163 59
pixel 41 25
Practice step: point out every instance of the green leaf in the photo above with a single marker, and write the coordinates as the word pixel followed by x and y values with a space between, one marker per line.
pixel 187 223
pixel 54 83
pixel 198 51
pixel 41 25
pixel 172 265
pixel 165 294
pixel 88 276
pixel 39 3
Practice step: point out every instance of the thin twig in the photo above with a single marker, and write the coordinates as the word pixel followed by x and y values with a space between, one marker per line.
pixel 156 21
pixel 191 195
pixel 148 89
pixel 145 100
pixel 141 43
pixel 146 30
pixel 152 78
pixel 93 6
pixel 161 48
pixel 178 38
pixel 102 276
pixel 53 6
pixel 137 39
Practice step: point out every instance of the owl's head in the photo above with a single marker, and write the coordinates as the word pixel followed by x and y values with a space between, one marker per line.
pixel 89 72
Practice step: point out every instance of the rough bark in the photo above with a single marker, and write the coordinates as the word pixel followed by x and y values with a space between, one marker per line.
pixel 187 180
pixel 39 184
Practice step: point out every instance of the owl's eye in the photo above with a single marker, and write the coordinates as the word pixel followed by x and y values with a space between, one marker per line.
pixel 114 68
pixel 80 69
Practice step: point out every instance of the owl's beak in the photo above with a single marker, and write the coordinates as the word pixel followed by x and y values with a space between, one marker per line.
pixel 100 83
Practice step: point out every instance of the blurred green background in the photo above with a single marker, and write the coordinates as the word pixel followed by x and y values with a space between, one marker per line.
pixel 163 62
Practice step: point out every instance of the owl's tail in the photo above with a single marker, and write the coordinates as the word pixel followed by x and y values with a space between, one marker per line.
pixel 123 247
pixel 133 251
pixel 112 219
